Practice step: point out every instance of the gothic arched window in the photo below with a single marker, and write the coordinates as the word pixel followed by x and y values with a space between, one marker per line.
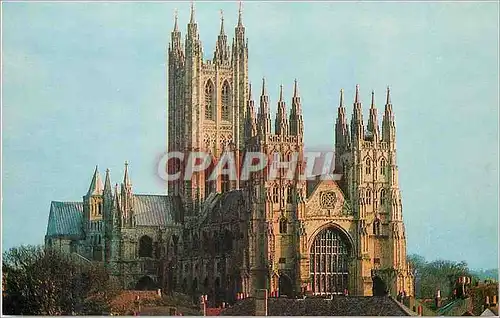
pixel 382 197
pixel 283 226
pixel 368 164
pixel 209 100
pixel 289 194
pixel 145 246
pixel 276 195
pixel 376 227
pixel 383 166
pixel 329 263
pixel 226 101
pixel 368 196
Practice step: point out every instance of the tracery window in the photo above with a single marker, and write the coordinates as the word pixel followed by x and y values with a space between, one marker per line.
pixel 329 262
pixel 226 101
pixel 368 168
pixel 368 196
pixel 328 199
pixel 289 194
pixel 382 197
pixel 276 195
pixel 209 100
pixel 383 166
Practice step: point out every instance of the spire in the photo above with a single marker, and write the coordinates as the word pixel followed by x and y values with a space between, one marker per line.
pixel 264 118
pixel 126 179
pixel 296 121
pixel 264 91
pixel 241 45
pixel 176 27
pixel 281 122
pixel 96 186
pixel 341 134
pixel 388 122
pixel 357 129
pixel 250 127
pixel 373 121
pixel 107 183
pixel 192 20
pixel 116 196
pixel 221 54
pixel 295 89
pixel 221 22
pixel 240 19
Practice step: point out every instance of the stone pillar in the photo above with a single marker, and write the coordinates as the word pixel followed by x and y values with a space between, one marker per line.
pixel 261 302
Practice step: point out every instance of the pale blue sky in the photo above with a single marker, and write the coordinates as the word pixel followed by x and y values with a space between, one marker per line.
pixel 84 84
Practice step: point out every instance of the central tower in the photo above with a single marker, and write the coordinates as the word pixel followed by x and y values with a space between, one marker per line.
pixel 206 106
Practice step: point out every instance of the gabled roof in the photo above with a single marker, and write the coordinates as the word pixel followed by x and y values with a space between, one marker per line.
pixel 491 312
pixel 339 306
pixel 65 219
pixel 156 210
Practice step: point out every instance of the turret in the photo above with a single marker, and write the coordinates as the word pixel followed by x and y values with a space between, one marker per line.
pixel 264 117
pixel 221 54
pixel 193 45
pixel 341 134
pixel 127 198
pixel 240 78
pixel 388 122
pixel 296 120
pixel 96 187
pixel 93 199
pixel 175 50
pixel 107 196
pixel 250 124
pixel 357 130
pixel 372 129
pixel 281 122
pixel 116 210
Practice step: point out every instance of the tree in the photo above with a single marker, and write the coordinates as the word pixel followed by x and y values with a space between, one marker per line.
pixel 39 281
pixel 439 274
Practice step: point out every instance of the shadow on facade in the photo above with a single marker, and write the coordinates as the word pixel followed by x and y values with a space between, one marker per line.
pixel 146 283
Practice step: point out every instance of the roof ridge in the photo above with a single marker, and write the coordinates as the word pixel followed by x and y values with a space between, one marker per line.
pixel 73 202
pixel 403 307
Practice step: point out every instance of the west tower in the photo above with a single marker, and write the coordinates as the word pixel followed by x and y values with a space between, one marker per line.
pixel 366 157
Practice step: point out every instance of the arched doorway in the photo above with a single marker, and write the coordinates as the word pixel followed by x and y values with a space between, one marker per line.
pixel 329 262
pixel 285 285
pixel 379 287
pixel 145 283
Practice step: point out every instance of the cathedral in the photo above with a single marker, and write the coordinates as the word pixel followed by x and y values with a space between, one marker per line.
pixel 226 237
